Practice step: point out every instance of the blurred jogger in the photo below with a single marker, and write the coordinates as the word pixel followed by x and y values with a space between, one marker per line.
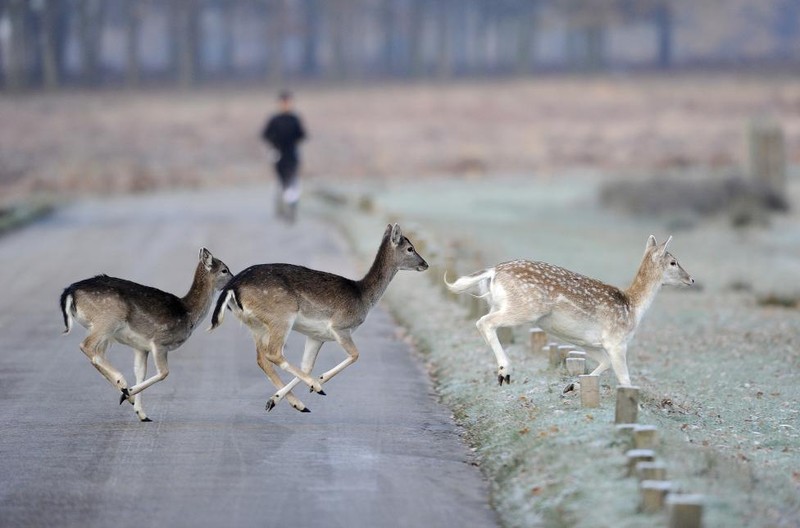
pixel 283 132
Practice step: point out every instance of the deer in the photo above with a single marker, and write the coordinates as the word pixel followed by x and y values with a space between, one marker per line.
pixel 580 310
pixel 275 299
pixel 146 319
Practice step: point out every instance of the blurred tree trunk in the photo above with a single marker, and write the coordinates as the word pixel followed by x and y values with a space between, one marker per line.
pixel 337 19
pixel 311 38
pixel 187 34
pixel 227 13
pixel 13 36
pixel 386 30
pixel 90 31
pixel 416 35
pixel 526 30
pixel 444 28
pixel 663 21
pixel 51 78
pixel 132 38
pixel 276 34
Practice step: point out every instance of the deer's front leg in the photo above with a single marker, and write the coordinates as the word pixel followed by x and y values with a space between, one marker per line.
pixel 619 362
pixel 344 339
pixel 487 326
pixel 162 370
pixel 140 369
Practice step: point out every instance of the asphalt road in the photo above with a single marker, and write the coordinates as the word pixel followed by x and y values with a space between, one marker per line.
pixel 378 450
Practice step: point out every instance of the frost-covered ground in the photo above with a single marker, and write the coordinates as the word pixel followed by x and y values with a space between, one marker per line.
pixel 718 371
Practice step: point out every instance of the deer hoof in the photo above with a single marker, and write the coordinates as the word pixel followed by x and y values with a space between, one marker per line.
pixel 568 388
pixel 125 395
pixel 305 409
pixel 145 419
pixel 321 392
pixel 504 378
pixel 270 405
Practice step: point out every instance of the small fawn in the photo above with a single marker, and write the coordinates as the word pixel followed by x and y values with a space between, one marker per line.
pixel 577 309
pixel 144 318
pixel 274 299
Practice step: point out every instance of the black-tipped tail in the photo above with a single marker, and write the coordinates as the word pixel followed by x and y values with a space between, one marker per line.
pixel 66 295
pixel 222 301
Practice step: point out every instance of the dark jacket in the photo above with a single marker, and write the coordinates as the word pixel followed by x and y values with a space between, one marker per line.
pixel 284 131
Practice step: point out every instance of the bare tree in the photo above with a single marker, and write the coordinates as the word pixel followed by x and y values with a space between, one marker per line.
pixel 186 23
pixel 14 35
pixel 133 12
pixel 276 36
pixel 90 28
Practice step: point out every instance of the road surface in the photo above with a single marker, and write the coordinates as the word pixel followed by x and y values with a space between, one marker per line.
pixel 378 450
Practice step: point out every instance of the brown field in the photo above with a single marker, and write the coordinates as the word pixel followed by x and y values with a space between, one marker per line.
pixel 132 141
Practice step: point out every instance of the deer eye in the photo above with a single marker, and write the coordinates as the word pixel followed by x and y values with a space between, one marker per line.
pixel 673 263
pixel 410 249
pixel 224 272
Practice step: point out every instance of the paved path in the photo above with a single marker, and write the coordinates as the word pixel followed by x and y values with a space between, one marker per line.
pixel 377 451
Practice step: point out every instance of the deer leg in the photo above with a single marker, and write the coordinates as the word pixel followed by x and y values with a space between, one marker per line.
pixel 310 353
pixel 619 362
pixel 274 352
pixel 487 326
pixel 162 370
pixel 140 369
pixel 95 346
pixel 601 356
pixel 283 391
pixel 346 341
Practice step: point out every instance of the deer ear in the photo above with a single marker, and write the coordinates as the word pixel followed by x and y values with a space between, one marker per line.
pixel 396 235
pixel 206 258
pixel 651 243
pixel 667 242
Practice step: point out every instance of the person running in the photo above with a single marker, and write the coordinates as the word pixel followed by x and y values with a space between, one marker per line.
pixel 283 132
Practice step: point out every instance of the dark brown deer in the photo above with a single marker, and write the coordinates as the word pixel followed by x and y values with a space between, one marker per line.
pixel 274 299
pixel 146 319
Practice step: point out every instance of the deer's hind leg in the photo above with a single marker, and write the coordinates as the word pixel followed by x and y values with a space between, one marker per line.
pixel 276 335
pixel 284 390
pixel 487 326
pixel 95 346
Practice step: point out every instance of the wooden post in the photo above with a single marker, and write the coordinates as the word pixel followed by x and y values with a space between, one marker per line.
pixel 554 355
pixel 627 405
pixel 538 340
pixel 576 366
pixel 653 494
pixel 590 390
pixel 685 511
pixel 768 157
pixel 638 455
pixel 505 335
pixel 645 437
pixel 565 350
pixel 651 471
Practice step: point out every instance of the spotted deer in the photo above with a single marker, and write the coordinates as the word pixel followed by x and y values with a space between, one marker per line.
pixel 274 299
pixel 146 319
pixel 577 309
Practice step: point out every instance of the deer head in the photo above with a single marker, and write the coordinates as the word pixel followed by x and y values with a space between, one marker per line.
pixel 666 264
pixel 404 256
pixel 215 269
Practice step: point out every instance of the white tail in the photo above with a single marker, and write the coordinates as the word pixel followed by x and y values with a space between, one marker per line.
pixel 577 309
pixel 274 299
pixel 144 318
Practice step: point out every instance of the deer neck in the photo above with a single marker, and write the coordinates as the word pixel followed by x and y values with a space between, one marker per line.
pixel 644 288
pixel 380 274
pixel 198 299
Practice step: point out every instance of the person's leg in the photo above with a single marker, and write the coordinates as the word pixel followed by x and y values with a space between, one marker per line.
pixel 291 190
